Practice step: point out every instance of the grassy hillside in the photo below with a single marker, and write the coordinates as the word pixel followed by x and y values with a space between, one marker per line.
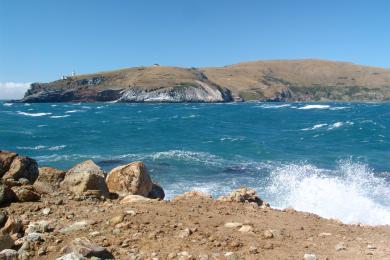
pixel 303 79
pixel 278 80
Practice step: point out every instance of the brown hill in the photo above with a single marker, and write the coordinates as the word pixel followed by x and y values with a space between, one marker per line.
pixel 279 80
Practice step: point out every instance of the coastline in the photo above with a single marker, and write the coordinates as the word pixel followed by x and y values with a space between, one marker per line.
pixel 47 224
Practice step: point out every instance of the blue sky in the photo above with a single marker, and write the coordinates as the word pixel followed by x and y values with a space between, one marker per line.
pixel 42 39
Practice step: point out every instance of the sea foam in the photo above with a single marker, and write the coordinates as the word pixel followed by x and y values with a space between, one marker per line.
pixel 33 114
pixel 351 193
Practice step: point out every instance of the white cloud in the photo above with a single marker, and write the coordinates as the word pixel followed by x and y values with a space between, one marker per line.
pixel 13 90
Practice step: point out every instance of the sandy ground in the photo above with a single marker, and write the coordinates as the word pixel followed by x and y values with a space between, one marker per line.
pixel 195 228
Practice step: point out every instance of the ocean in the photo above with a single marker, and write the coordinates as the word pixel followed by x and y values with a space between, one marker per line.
pixel 332 159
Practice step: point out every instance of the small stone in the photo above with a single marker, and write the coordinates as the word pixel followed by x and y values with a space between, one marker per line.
pixel 13 225
pixel 46 211
pixel 80 225
pixel 267 234
pixel 371 247
pixel 9 254
pixel 309 257
pixel 3 218
pixel 130 212
pixel 71 256
pixel 246 229
pixel 42 251
pixel 185 233
pixel 268 245
pixel 231 256
pixel 203 257
pixel 253 250
pixel 340 246
pixel 6 242
pixel 117 219
pixel 94 233
pixel 39 226
pixel 324 234
pixel 233 224
pixel 134 199
pixel 86 248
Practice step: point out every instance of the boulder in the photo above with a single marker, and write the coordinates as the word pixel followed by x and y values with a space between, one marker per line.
pixel 48 180
pixel 131 178
pixel 9 254
pixel 157 192
pixel 25 193
pixel 243 195
pixel 6 195
pixel 22 167
pixel 6 159
pixel 84 247
pixel 85 177
pixel 6 242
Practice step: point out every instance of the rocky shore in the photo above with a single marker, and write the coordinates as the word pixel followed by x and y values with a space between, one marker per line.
pixel 86 213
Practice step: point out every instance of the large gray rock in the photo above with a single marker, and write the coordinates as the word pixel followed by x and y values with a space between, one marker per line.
pixel 131 178
pixel 6 159
pixel 22 167
pixel 85 177
pixel 49 180
pixel 6 195
pixel 84 247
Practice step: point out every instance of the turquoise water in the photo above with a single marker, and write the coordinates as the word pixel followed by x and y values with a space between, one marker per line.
pixel 332 159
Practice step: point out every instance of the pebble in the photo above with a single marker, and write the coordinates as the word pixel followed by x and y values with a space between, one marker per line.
pixel 231 256
pixel 340 246
pixel 79 225
pixel 324 234
pixel 253 250
pixel 117 219
pixel 185 233
pixel 9 254
pixel 371 247
pixel 233 224
pixel 267 234
pixel 309 257
pixel 46 211
pixel 246 229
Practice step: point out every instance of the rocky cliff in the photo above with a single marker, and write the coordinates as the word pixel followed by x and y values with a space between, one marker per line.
pixel 293 80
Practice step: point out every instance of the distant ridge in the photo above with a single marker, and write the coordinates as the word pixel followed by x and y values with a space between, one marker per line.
pixel 271 80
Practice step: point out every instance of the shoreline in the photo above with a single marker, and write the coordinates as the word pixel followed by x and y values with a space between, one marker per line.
pixel 51 217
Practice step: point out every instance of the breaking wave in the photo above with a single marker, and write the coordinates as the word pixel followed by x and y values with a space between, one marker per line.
pixel 42 147
pixel 350 193
pixel 33 114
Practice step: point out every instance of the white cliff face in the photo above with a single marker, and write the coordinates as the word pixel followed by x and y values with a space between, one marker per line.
pixel 201 93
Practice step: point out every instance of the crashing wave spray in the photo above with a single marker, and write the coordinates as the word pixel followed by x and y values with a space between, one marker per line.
pixel 351 193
